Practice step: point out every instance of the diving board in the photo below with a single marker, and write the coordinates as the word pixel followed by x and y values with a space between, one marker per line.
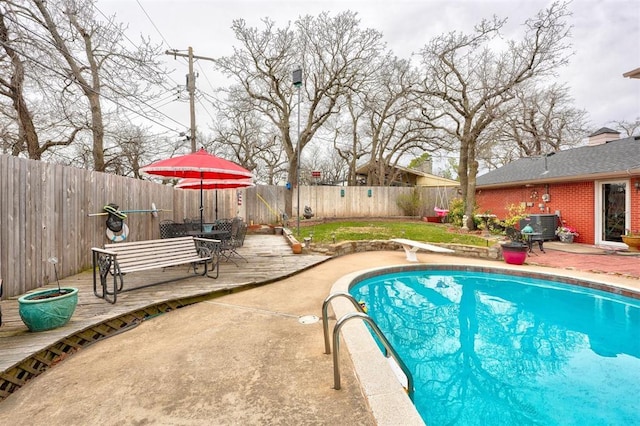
pixel 411 247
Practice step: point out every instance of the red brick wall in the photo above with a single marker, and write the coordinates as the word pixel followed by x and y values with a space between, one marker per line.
pixel 635 205
pixel 575 201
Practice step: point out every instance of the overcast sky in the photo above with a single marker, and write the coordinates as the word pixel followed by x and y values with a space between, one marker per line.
pixel 606 39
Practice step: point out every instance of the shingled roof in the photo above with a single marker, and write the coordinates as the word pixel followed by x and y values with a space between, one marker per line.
pixel 613 159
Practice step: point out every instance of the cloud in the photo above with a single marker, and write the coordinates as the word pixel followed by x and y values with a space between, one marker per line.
pixel 605 38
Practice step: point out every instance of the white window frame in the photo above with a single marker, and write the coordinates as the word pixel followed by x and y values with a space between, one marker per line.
pixel 598 210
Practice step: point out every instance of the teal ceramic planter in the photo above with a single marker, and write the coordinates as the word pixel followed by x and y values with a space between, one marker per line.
pixel 40 313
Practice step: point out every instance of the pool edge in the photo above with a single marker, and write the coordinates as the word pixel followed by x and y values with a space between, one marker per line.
pixel 387 399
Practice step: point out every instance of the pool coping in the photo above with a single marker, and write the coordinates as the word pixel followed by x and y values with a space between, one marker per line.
pixel 387 399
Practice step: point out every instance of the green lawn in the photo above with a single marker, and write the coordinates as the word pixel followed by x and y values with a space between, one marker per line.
pixel 384 230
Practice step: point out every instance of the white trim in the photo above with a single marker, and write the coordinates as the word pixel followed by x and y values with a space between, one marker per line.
pixel 598 210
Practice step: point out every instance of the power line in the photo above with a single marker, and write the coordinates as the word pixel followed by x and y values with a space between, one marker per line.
pixel 190 63
pixel 207 111
pixel 174 50
pixel 154 25
pixel 205 74
pixel 131 41
pixel 47 41
pixel 191 87
pixel 37 62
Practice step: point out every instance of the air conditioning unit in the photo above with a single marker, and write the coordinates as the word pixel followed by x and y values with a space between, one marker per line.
pixel 544 223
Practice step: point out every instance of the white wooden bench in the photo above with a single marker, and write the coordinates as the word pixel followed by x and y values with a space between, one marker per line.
pixel 119 259
pixel 411 247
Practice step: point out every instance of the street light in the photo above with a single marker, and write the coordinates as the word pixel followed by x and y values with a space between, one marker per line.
pixel 297 82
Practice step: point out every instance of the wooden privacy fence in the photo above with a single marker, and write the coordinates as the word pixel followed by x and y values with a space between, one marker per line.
pixel 265 204
pixel 44 213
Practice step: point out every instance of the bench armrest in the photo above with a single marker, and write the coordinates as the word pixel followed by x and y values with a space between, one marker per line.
pixel 207 240
pixel 103 251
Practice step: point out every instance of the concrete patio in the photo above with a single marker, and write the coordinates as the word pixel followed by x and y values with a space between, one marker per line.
pixel 244 358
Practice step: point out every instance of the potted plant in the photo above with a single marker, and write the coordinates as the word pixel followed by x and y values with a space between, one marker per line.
pixel 48 309
pixel 632 239
pixel 566 233
pixel 515 250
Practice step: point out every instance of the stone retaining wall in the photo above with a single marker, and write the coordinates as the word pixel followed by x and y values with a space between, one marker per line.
pixel 348 247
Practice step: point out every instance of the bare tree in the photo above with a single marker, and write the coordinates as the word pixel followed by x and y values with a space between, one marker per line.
pixel 628 128
pixel 90 55
pixel 272 162
pixel 8 137
pixel 348 135
pixel 244 136
pixel 12 86
pixel 331 52
pixel 326 160
pixel 131 143
pixel 539 122
pixel 391 123
pixel 469 85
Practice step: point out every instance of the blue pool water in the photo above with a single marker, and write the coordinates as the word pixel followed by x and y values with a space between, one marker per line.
pixel 492 349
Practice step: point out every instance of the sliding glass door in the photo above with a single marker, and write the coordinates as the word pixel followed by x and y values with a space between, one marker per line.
pixel 613 207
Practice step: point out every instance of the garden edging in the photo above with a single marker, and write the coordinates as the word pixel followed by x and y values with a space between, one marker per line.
pixel 348 247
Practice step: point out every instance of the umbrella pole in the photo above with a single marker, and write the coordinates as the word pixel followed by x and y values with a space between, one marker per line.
pixel 201 205
pixel 216 204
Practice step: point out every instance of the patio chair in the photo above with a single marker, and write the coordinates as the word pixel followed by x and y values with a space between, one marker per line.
pixel 180 230
pixel 229 247
pixel 242 232
pixel 223 225
pixel 166 228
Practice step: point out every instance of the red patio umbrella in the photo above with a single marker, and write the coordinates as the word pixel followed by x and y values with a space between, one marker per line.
pixel 198 165
pixel 214 184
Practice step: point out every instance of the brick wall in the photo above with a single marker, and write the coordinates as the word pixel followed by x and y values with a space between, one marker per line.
pixel 574 201
pixel 635 205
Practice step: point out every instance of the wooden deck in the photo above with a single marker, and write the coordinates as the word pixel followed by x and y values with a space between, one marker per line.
pixel 24 354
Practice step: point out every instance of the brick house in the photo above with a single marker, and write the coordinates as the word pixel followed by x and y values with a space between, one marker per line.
pixel 593 188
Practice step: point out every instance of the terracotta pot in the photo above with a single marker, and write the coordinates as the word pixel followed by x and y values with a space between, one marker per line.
pixel 633 241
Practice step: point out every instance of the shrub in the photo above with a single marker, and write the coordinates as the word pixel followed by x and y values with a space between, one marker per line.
pixel 515 212
pixel 456 211
pixel 410 204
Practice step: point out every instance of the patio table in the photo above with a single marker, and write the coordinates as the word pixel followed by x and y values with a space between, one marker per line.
pixel 216 234
pixel 534 236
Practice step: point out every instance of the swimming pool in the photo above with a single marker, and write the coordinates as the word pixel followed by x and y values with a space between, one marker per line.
pixel 489 348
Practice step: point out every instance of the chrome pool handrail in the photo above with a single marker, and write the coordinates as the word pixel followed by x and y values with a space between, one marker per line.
pixel 336 338
pixel 325 319
pixel 388 349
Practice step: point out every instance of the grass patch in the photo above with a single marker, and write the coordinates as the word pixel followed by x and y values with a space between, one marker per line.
pixel 383 230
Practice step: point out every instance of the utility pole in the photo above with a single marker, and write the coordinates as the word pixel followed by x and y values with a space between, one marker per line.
pixel 191 89
pixel 297 82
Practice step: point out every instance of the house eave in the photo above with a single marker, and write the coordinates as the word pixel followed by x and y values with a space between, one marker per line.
pixel 577 178
pixel 632 74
